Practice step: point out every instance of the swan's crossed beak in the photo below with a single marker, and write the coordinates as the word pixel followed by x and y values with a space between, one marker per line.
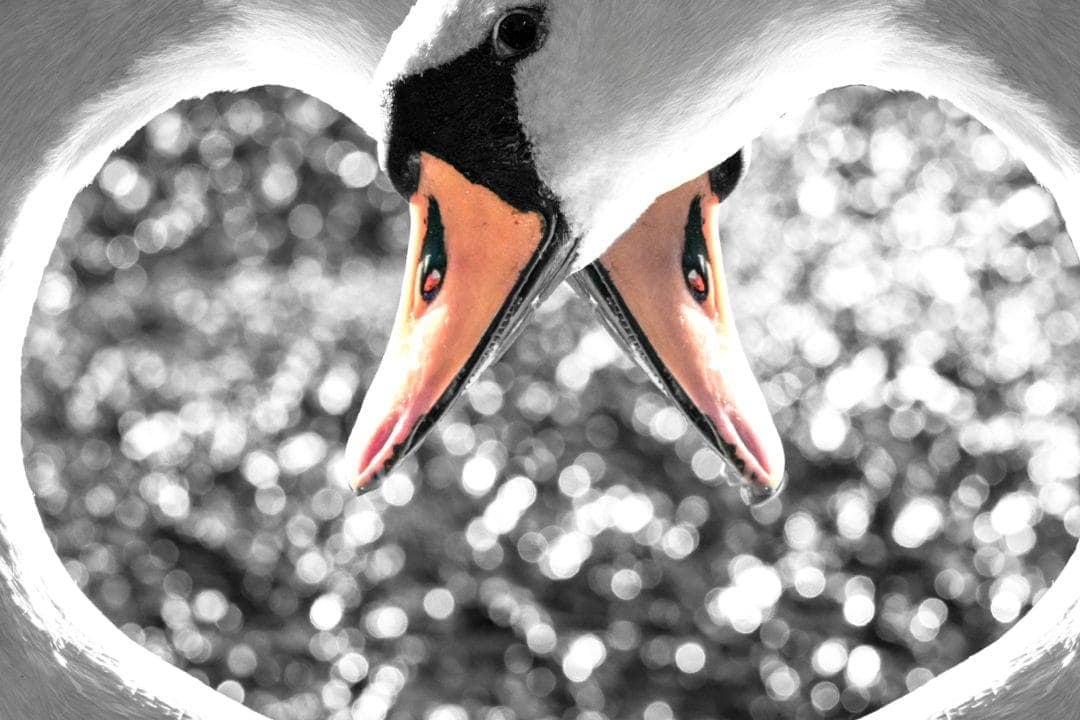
pixel 661 290
pixel 476 266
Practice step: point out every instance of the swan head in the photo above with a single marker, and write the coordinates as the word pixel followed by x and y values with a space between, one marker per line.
pixel 487 241
pixel 523 159
pixel 661 290
pixel 615 103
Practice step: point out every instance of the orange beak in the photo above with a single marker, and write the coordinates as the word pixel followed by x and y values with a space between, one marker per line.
pixel 475 267
pixel 661 289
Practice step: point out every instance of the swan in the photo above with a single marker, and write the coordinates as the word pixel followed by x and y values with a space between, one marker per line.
pixel 660 289
pixel 78 79
pixel 578 114
pixel 77 83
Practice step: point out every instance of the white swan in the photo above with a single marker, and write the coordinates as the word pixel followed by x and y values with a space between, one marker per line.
pixel 593 108
pixel 77 79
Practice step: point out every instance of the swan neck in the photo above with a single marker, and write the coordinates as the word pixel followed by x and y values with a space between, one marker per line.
pixel 1012 65
pixel 718 74
pixel 79 79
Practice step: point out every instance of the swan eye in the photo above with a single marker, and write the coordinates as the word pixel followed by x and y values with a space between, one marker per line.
pixel 518 32
pixel 432 281
pixel 432 255
pixel 695 281
pixel 695 260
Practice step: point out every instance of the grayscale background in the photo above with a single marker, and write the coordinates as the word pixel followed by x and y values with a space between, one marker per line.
pixel 563 546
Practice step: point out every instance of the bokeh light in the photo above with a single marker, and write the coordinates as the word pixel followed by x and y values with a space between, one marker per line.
pixel 563 545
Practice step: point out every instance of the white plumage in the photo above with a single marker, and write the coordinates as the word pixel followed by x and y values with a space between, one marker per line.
pixel 625 101
pixel 77 80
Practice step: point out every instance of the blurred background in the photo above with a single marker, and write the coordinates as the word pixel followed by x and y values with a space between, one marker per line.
pixel 563 545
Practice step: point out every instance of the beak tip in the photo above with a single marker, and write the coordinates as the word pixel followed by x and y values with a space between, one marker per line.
pixel 754 492
pixel 370 475
pixel 375 446
pixel 364 485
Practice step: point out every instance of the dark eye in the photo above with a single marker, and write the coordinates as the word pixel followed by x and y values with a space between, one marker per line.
pixel 432 255
pixel 695 281
pixel 695 259
pixel 431 281
pixel 518 32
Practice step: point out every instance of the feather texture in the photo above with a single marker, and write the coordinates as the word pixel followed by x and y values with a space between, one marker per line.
pixel 80 76
pixel 627 100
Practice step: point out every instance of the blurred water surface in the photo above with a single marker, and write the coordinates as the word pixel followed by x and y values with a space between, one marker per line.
pixel 563 545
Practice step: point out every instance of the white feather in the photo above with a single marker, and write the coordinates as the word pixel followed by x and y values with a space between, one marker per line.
pixel 627 100
pixel 78 78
